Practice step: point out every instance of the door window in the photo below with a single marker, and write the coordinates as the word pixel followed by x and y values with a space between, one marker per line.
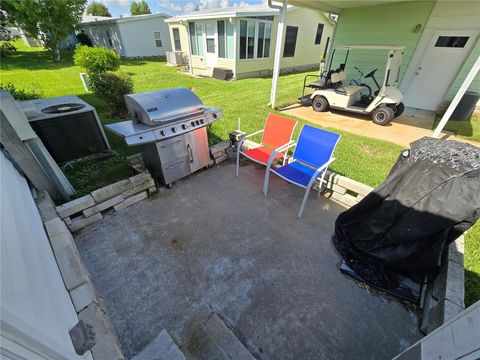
pixel 452 41
pixel 210 37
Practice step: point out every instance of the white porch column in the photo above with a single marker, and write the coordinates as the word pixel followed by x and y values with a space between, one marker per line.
pixel 466 83
pixel 278 51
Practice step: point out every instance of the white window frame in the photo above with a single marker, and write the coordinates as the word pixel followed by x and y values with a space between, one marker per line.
pixel 255 45
pixel 159 39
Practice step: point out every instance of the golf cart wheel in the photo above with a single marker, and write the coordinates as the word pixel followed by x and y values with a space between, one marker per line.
pixel 382 116
pixel 398 109
pixel 320 104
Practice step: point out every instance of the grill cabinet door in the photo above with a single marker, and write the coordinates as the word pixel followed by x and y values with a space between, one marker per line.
pixel 198 155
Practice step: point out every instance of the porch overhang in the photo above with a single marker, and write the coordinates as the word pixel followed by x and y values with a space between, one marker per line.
pixel 336 6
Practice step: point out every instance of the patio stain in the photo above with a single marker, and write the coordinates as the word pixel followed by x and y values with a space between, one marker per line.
pixel 272 278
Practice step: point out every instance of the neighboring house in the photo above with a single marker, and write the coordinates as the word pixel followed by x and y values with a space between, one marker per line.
pixel 441 39
pixel 242 39
pixel 131 37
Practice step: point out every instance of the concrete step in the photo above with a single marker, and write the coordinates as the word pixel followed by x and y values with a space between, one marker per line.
pixel 210 339
pixel 161 348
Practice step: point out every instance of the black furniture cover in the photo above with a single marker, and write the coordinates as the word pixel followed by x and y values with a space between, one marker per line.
pixel 430 197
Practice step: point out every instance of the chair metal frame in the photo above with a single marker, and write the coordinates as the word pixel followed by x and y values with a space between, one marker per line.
pixel 322 169
pixel 275 152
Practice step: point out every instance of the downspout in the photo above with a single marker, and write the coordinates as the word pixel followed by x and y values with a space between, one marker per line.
pixel 278 48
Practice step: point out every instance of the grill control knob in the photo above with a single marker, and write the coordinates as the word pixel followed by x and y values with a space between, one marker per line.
pixel 197 122
pixel 162 132
pixel 193 123
pixel 174 130
pixel 201 121
pixel 184 126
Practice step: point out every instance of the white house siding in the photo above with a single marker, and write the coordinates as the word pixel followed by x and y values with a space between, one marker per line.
pixel 138 39
pixel 459 15
pixel 98 34
pixel 36 310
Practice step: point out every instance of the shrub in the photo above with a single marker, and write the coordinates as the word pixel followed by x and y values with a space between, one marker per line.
pixel 111 87
pixel 96 60
pixel 21 94
pixel 6 49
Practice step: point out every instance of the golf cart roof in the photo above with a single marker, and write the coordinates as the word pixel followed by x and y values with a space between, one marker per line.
pixel 370 47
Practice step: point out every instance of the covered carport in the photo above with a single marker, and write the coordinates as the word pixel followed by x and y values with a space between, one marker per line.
pixel 418 29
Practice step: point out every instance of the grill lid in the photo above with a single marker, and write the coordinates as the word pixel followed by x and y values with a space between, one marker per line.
pixel 163 106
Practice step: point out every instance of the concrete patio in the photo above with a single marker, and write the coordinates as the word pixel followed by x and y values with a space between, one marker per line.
pixel 271 277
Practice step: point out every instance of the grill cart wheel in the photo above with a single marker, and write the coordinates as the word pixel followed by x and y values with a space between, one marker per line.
pixel 382 116
pixel 320 104
pixel 398 109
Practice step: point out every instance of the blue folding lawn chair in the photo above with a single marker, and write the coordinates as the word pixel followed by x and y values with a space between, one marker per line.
pixel 312 156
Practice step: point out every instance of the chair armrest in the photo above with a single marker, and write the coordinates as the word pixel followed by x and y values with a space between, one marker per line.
pixel 247 137
pixel 278 150
pixel 320 169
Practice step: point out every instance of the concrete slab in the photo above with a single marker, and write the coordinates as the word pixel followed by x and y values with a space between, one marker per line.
pixel 412 125
pixel 271 277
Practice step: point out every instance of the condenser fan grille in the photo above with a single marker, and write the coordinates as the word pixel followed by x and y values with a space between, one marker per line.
pixel 62 108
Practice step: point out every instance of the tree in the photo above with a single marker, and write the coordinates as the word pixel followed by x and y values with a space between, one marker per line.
pixel 51 20
pixel 96 8
pixel 139 8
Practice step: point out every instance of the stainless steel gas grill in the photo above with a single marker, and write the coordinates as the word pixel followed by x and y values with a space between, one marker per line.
pixel 170 125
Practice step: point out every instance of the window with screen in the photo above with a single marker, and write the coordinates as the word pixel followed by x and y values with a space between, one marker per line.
pixel 255 37
pixel 210 37
pixel 290 41
pixel 318 36
pixel 221 38
pixel 176 39
pixel 158 39
pixel 109 38
pixel 196 38
pixel 452 41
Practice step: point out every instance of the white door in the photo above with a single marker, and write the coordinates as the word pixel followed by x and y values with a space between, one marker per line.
pixel 438 68
pixel 211 44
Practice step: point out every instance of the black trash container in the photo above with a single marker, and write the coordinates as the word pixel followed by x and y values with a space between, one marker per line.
pixel 466 106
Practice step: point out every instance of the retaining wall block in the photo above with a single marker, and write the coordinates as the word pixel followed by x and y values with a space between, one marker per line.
pixel 354 186
pixel 83 296
pixel 46 206
pixel 130 201
pixel 103 206
pixel 107 345
pixel 443 312
pixel 71 266
pixel 456 250
pixel 449 284
pixel 346 200
pixel 139 187
pixel 75 206
pixel 110 191
pixel 221 159
pixel 224 145
pixel 81 221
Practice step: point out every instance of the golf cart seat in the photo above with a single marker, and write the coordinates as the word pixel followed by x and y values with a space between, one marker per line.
pixel 349 90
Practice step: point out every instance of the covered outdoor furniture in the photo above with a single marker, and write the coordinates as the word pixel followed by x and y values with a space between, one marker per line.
pixel 277 135
pixel 312 156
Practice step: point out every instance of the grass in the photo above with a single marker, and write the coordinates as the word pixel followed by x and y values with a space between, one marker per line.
pixel 363 159
pixel 469 129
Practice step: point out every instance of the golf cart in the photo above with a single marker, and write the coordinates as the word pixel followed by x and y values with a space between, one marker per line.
pixel 331 90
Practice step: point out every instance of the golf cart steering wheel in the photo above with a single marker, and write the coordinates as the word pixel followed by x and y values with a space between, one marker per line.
pixel 371 73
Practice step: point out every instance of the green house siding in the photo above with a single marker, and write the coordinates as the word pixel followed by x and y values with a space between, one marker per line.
pixel 388 24
pixel 475 85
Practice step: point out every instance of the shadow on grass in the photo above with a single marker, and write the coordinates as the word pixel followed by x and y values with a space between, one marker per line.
pixel 36 60
pixel 472 287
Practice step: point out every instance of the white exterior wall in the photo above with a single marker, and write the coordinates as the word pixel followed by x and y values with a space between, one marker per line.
pixel 138 39
pixel 36 310
pixel 98 34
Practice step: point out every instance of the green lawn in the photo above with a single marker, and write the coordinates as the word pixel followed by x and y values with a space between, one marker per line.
pixel 364 159
pixel 469 129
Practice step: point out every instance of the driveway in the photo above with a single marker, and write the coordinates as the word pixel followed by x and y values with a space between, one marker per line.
pixel 412 125
pixel 273 278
